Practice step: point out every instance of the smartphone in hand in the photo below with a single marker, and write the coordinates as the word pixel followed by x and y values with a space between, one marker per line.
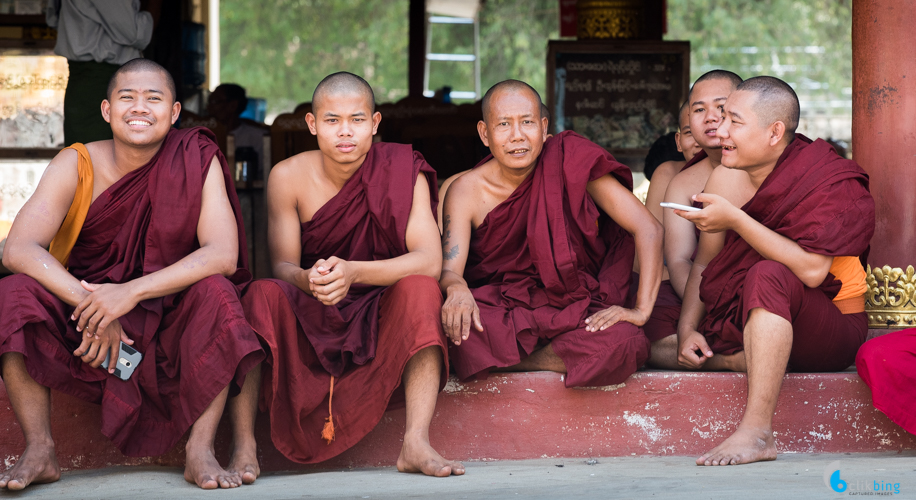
pixel 128 359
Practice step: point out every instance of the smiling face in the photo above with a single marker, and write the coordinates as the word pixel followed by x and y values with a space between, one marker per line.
pixel 514 130
pixel 140 108
pixel 706 101
pixel 684 138
pixel 747 143
pixel 344 125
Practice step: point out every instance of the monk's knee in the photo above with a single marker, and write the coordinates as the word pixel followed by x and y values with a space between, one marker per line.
pixel 211 288
pixel 770 275
pixel 19 283
pixel 872 354
pixel 416 288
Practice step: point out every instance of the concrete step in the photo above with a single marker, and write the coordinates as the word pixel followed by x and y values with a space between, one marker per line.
pixel 532 415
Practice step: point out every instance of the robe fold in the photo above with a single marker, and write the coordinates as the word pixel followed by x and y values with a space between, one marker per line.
pixel 543 261
pixel 366 339
pixel 813 197
pixel 888 365
pixel 195 342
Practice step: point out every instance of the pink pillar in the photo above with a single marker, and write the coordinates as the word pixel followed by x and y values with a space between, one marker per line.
pixel 884 143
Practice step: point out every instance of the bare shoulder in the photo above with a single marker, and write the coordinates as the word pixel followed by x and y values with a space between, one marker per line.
pixel 295 171
pixel 63 170
pixel 724 180
pixel 466 184
pixel 666 171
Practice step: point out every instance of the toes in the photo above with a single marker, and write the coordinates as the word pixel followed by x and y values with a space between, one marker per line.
pixel 206 482
pixel 457 468
pixel 444 471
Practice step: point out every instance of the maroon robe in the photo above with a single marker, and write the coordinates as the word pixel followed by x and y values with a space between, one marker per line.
pixel 543 261
pixel 366 339
pixel 888 365
pixel 697 158
pixel 195 342
pixel 813 197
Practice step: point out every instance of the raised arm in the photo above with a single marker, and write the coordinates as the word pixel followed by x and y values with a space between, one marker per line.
pixel 26 250
pixel 722 213
pixel 460 311
pixel 330 279
pixel 627 211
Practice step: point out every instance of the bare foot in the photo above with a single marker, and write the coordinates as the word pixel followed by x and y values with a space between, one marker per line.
pixel 37 465
pixel 202 469
pixel 245 462
pixel 745 446
pixel 418 456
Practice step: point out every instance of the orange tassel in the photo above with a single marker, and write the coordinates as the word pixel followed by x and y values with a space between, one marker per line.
pixel 328 432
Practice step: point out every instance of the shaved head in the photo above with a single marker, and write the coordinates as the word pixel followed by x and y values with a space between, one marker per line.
pixel 719 74
pixel 138 66
pixel 774 101
pixel 513 86
pixel 342 83
pixel 683 119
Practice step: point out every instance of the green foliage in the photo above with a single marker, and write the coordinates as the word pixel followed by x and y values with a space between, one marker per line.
pixel 805 42
pixel 281 49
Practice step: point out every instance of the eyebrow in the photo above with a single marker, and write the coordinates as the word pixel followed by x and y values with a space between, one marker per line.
pixel 736 114
pixel 153 91
pixel 714 100
pixel 526 115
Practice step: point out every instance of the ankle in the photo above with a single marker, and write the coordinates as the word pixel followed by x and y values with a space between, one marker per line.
pixel 40 442
pixel 414 435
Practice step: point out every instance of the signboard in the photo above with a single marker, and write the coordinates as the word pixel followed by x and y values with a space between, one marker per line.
pixel 621 95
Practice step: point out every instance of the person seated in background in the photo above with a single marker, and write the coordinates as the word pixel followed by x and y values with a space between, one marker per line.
pixel 352 320
pixel 777 285
pixel 662 164
pixel 133 243
pixel 538 246
pixel 227 103
pixel 704 105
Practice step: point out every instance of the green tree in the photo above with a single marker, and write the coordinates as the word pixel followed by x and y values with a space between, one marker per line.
pixel 805 42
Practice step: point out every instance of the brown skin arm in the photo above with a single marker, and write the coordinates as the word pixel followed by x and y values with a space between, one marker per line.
pixel 690 340
pixel 217 233
pixel 661 179
pixel 284 230
pixel 26 250
pixel 627 211
pixel 459 311
pixel 680 234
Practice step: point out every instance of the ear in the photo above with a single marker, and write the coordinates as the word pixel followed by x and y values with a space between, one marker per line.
pixel 777 132
pixel 544 125
pixel 376 119
pixel 482 131
pixel 310 121
pixel 176 111
pixel 677 141
pixel 106 110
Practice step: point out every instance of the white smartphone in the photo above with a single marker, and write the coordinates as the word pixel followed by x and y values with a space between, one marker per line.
pixel 678 206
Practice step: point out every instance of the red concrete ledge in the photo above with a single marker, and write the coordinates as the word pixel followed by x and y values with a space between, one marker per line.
pixel 532 415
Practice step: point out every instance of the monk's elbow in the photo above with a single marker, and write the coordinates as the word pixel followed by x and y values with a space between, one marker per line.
pixel 11 253
pixel 435 269
pixel 227 264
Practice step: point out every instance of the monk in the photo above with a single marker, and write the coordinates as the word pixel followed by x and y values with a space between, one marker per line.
pixel 704 107
pixel 778 284
pixel 663 174
pixel 545 113
pixel 137 240
pixel 888 365
pixel 538 249
pixel 352 322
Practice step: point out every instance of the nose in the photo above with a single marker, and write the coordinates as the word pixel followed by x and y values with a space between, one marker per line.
pixel 346 129
pixel 516 132
pixel 713 115
pixel 722 130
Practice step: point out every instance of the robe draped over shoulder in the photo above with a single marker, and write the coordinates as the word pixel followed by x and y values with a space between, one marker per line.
pixel 545 259
pixel 195 342
pixel 813 197
pixel 366 339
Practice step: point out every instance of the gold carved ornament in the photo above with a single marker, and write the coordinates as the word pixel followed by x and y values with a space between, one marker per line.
pixel 891 297
pixel 608 19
